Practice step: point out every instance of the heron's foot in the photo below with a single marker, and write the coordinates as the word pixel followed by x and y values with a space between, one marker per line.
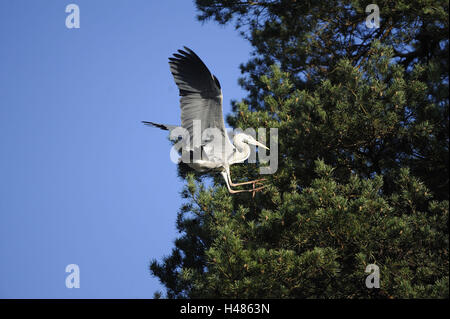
pixel 249 182
pixel 257 189
pixel 253 190
pixel 260 180
pixel 234 191
pixel 257 185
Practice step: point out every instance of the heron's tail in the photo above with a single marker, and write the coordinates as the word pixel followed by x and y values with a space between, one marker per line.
pixel 161 126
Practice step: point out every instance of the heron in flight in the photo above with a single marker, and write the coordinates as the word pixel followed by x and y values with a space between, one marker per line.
pixel 201 102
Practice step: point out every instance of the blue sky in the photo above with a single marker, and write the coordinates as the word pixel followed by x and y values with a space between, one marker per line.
pixel 82 181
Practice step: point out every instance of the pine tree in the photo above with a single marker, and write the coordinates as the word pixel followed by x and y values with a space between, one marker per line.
pixel 362 119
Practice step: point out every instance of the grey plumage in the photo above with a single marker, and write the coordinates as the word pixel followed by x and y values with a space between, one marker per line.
pixel 201 95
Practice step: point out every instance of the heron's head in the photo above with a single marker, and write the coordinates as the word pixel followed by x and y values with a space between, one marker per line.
pixel 251 140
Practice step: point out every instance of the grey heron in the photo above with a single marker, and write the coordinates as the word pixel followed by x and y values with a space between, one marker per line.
pixel 201 101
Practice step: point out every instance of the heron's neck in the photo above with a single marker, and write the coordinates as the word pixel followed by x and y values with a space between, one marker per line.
pixel 242 150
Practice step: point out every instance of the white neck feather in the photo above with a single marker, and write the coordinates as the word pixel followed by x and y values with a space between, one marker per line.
pixel 242 149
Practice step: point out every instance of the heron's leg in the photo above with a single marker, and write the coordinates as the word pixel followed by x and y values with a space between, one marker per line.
pixel 254 188
pixel 258 181
pixel 232 191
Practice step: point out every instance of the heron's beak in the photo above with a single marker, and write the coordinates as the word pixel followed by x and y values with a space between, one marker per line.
pixel 260 145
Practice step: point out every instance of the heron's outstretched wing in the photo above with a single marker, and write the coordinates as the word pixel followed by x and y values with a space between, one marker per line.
pixel 201 95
